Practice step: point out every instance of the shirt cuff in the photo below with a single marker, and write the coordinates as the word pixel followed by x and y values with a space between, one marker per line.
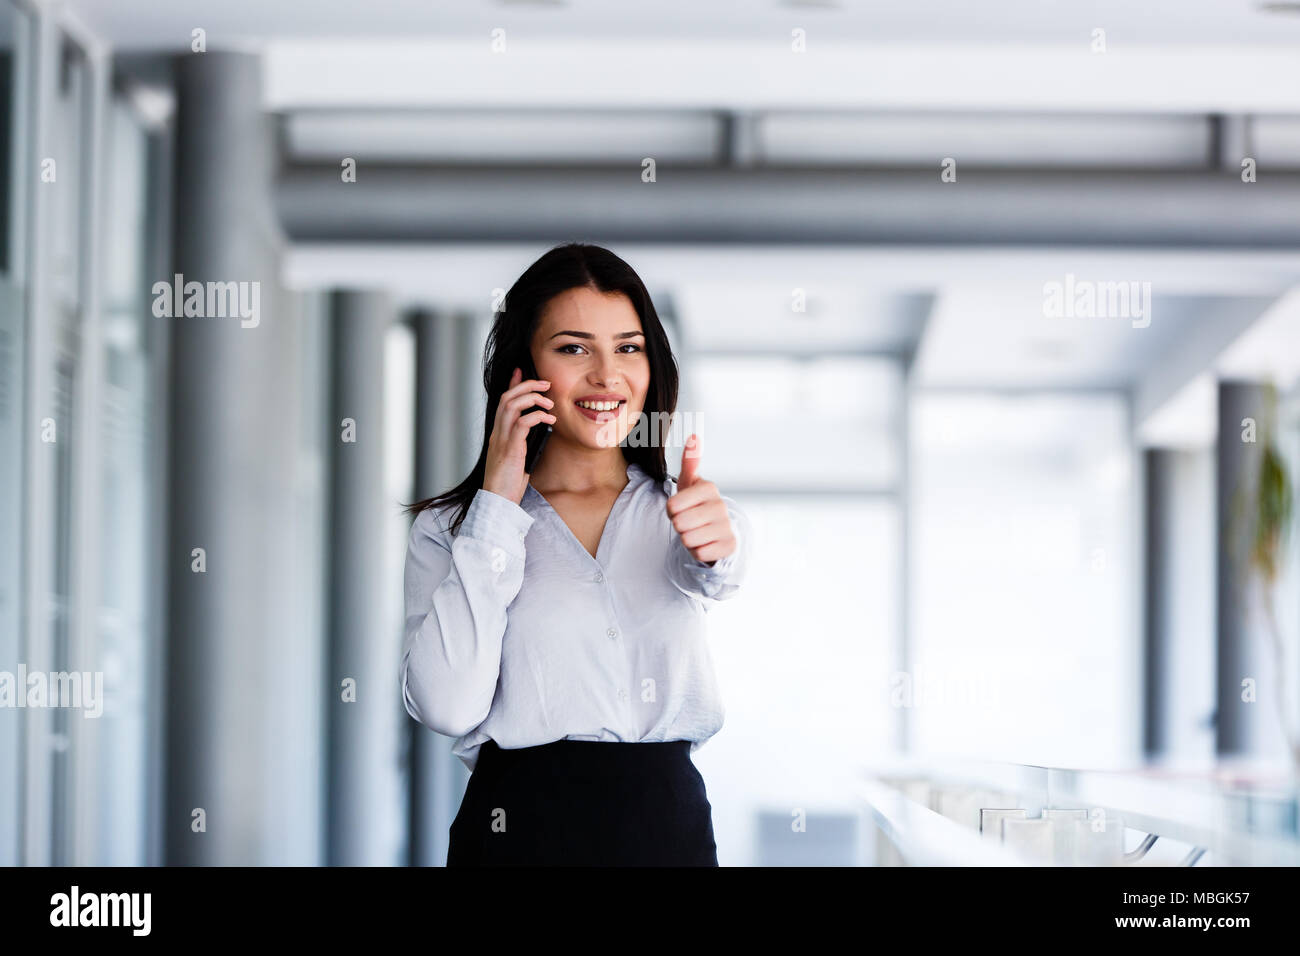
pixel 711 579
pixel 497 521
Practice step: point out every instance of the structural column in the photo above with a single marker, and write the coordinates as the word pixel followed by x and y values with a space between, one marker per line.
pixel 366 800
pixel 1180 596
pixel 244 711
pixel 448 350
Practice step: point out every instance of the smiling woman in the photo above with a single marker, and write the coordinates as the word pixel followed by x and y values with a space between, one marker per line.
pixel 578 726
pixel 575 362
pixel 578 316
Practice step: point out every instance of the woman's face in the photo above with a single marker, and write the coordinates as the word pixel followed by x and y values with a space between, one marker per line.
pixel 590 346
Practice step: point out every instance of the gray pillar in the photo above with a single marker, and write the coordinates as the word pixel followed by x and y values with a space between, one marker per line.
pixel 366 815
pixel 1243 729
pixel 244 715
pixel 1180 617
pixel 447 368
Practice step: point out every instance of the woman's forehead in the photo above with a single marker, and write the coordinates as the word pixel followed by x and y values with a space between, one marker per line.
pixel 586 310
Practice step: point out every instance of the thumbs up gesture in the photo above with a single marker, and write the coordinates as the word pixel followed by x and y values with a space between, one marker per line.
pixel 698 512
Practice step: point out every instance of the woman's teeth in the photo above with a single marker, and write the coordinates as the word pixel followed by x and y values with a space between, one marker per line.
pixel 599 406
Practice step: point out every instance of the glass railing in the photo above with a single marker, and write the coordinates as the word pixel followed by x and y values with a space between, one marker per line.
pixel 997 814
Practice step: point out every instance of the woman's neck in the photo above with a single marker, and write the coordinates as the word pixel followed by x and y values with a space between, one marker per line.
pixel 568 473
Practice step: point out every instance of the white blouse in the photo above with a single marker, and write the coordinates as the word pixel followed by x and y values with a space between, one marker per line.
pixel 515 632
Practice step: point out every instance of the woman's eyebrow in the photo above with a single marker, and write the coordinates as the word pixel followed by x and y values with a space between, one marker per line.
pixel 589 335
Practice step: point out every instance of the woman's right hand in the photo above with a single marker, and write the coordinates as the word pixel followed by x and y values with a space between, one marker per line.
pixel 508 444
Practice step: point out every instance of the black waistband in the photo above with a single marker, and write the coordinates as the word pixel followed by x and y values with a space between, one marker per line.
pixel 588 755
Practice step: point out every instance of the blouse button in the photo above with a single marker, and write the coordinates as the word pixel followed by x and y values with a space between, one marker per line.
pixel 599 577
pixel 612 633
pixel 522 535
pixel 498 560
pixel 622 694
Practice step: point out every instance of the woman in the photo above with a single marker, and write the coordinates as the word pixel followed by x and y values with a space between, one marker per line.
pixel 555 620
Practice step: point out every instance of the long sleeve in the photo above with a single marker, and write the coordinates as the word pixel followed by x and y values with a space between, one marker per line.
pixel 721 580
pixel 457 592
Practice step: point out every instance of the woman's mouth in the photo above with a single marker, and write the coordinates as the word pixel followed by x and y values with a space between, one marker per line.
pixel 600 411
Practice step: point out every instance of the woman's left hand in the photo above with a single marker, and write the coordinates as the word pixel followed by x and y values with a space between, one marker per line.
pixel 698 512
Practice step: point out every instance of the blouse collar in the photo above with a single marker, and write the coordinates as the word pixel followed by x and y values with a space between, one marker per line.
pixel 634 476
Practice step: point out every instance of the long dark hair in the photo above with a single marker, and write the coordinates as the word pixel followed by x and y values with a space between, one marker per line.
pixel 569 266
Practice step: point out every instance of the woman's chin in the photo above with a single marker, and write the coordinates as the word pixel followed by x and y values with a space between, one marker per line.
pixel 593 437
pixel 604 435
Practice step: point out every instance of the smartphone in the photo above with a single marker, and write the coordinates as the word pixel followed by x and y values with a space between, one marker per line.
pixel 538 433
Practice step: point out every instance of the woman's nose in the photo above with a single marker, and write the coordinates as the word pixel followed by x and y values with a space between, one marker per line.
pixel 606 372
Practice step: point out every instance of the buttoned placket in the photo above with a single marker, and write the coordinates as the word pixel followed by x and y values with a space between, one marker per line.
pixel 598 576
pixel 612 635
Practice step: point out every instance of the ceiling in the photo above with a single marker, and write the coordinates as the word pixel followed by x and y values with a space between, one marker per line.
pixel 1001 333
pixel 149 24
pixel 975 316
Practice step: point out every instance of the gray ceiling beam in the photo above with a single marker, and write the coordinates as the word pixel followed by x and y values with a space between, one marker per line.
pixel 780 205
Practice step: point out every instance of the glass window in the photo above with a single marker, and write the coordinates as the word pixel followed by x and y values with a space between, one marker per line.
pixel 9 26
pixel 821 422
pixel 1021 570
pixel 803 659
pixel 66 192
pixel 13 139
pixel 125 518
pixel 803 663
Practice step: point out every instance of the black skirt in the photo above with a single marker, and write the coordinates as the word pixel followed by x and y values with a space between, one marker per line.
pixel 584 803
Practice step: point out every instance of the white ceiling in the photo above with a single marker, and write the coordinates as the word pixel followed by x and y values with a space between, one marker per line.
pixel 1268 349
pixel 985 327
pixel 166 24
pixel 999 333
pixel 1161 56
pixel 792 318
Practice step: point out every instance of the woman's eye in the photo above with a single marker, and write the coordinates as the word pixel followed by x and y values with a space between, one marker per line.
pixel 575 345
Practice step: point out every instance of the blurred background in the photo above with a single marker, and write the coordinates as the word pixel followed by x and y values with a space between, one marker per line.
pixel 989 315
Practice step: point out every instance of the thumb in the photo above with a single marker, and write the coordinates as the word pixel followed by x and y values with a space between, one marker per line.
pixel 690 463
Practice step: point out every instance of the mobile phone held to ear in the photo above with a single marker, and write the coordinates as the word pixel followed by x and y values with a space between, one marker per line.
pixel 537 434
